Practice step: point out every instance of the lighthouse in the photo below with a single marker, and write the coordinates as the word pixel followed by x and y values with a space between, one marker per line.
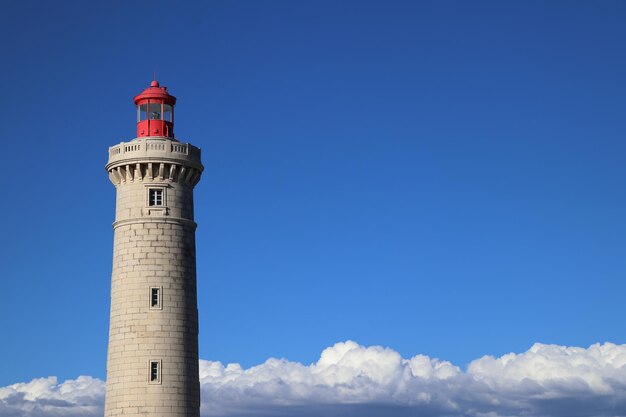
pixel 152 359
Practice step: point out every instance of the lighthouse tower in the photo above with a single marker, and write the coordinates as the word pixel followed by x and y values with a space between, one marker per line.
pixel 152 364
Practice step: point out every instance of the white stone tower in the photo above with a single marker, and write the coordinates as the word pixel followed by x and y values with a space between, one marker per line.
pixel 152 364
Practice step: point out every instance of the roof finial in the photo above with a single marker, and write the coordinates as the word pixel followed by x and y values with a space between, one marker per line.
pixel 154 82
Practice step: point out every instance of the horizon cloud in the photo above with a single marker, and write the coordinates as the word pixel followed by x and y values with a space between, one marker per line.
pixel 350 379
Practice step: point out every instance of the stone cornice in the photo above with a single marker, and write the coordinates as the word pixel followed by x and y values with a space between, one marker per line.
pixel 143 220
pixel 158 170
pixel 154 159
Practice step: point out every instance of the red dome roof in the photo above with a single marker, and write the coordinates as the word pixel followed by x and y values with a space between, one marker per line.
pixel 155 92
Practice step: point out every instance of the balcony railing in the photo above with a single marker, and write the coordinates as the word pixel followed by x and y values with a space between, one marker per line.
pixel 158 147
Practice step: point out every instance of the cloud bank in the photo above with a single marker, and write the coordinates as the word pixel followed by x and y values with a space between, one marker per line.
pixel 353 380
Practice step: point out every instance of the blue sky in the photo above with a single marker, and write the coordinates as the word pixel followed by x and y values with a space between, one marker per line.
pixel 442 178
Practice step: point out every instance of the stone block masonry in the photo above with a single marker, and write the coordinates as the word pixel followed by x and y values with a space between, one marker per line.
pixel 152 364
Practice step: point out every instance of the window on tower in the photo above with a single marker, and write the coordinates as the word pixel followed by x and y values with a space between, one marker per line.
pixel 155 372
pixel 155 298
pixel 155 197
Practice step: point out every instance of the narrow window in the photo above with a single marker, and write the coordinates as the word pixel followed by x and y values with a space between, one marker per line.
pixel 156 197
pixel 155 372
pixel 155 297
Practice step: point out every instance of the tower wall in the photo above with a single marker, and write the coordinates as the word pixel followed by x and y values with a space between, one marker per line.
pixel 154 248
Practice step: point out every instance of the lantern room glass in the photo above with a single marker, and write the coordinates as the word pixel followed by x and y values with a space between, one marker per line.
pixel 142 112
pixel 168 113
pixel 154 111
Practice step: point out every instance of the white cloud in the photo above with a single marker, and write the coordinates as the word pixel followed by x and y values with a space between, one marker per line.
pixel 349 379
pixel 83 396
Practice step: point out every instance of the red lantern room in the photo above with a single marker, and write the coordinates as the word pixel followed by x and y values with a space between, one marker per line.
pixel 155 111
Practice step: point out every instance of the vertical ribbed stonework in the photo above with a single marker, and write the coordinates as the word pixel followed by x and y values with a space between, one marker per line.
pixel 152 364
